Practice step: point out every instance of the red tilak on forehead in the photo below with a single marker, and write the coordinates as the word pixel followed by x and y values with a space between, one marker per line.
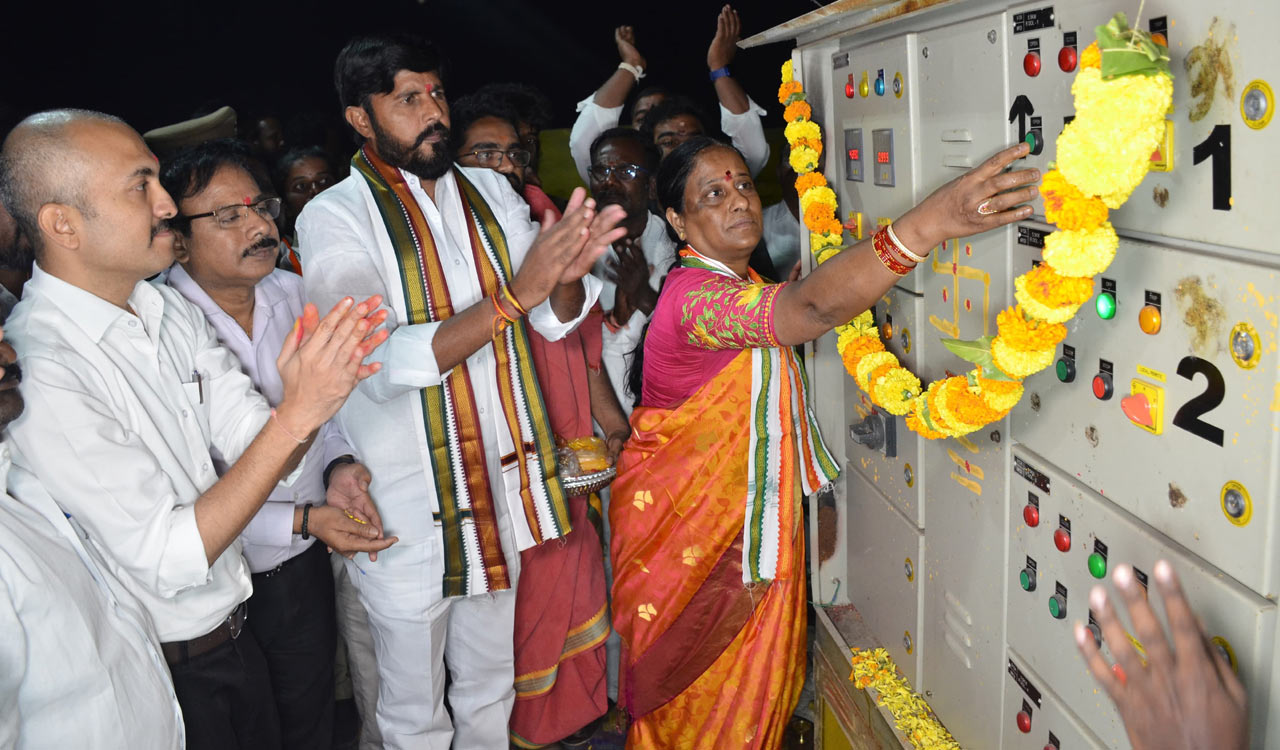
pixel 248 199
pixel 431 87
pixel 728 175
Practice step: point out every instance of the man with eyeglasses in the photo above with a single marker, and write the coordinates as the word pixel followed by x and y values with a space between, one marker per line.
pixel 226 213
pixel 453 428
pixel 129 395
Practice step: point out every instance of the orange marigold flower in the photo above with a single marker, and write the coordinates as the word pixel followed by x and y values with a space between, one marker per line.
pixel 811 180
pixel 878 373
pixel 797 111
pixel 969 407
pixel 931 403
pixel 787 89
pixel 1046 286
pixel 1091 57
pixel 816 145
pixel 821 218
pixel 915 423
pixel 1027 335
pixel 856 349
pixel 1067 207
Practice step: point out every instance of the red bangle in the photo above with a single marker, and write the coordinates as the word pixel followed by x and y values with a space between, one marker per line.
pixel 883 247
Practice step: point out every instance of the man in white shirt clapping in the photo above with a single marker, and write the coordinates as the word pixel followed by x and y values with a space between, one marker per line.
pixel 128 391
pixel 226 208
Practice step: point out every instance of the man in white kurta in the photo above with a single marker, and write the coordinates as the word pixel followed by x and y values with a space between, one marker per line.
pixel 417 627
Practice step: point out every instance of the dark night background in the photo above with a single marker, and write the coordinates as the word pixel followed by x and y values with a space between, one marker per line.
pixel 155 63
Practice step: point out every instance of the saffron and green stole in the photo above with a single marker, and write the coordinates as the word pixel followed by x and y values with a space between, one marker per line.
pixel 473 554
pixel 768 479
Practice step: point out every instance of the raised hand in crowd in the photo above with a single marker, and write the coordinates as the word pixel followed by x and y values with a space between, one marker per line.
pixel 625 38
pixel 321 363
pixel 724 47
pixel 1184 697
pixel 629 270
pixel 564 252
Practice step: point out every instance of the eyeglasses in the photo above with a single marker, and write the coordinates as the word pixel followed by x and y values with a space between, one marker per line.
pixel 230 216
pixel 491 158
pixel 626 172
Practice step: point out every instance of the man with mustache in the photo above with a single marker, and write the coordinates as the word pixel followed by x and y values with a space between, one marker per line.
pixel 623 163
pixel 453 427
pixel 225 216
pixel 128 397
pixel 79 655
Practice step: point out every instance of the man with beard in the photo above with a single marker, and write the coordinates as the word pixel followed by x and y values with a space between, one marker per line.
pixel 623 163
pixel 453 427
pixel 225 216
pixel 128 396
pixel 80 663
pixel 15 263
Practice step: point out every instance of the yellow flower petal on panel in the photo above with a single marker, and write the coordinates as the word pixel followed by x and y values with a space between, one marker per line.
pixel 1081 252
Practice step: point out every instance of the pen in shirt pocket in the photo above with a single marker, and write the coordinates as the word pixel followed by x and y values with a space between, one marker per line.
pixel 199 381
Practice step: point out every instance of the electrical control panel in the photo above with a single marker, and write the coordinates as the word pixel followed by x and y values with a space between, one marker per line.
pixel 1154 435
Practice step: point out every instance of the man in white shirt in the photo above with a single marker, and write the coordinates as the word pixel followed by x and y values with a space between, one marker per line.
pixel 452 428
pixel 80 663
pixel 229 272
pixel 739 114
pixel 128 391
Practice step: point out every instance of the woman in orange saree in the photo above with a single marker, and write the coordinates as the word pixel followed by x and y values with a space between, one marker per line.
pixel 708 554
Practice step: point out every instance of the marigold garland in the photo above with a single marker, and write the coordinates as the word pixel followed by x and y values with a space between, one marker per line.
pixel 1122 93
pixel 874 668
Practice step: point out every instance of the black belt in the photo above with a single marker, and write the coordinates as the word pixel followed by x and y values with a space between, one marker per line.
pixel 180 652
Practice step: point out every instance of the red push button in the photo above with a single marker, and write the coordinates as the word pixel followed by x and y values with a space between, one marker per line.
pixel 1031 514
pixel 1031 64
pixel 1062 540
pixel 1024 722
pixel 1102 386
pixel 1067 59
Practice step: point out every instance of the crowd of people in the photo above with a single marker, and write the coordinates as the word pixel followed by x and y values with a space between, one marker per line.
pixel 269 416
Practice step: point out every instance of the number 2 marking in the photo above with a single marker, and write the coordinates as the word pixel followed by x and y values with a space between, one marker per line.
pixel 1188 417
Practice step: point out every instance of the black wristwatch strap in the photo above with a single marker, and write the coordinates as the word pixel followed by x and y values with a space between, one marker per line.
pixel 335 463
pixel 306 516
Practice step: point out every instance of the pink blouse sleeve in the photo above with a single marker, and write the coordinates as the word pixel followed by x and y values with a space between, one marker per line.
pixel 721 313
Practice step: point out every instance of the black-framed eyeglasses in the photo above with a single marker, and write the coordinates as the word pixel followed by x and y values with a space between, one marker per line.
pixel 230 216
pixel 492 157
pixel 625 172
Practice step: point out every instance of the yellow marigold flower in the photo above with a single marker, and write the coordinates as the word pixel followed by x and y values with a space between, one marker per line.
pixel 802 130
pixel 803 159
pixel 823 195
pixel 811 143
pixel 1019 364
pixel 930 412
pixel 821 218
pixel 852 353
pixel 807 181
pixel 1106 150
pixel 1067 207
pixel 787 89
pixel 797 111
pixel 1091 57
pixel 896 391
pixel 826 253
pixel 820 242
pixel 916 423
pixel 1025 335
pixel 1044 294
pixel 788 72
pixel 943 401
pixel 1081 252
pixel 870 362
pixel 1000 395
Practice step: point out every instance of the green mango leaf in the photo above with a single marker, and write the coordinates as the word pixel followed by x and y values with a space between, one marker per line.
pixel 993 373
pixel 977 351
pixel 1127 51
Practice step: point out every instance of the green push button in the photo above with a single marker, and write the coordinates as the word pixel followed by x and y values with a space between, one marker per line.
pixel 1035 141
pixel 1097 565
pixel 1066 369
pixel 1057 607
pixel 1106 305
pixel 1027 581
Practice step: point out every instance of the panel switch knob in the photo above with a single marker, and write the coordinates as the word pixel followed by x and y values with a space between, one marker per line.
pixel 1066 369
pixel 1024 722
pixel 1067 59
pixel 1031 64
pixel 1058 606
pixel 1027 579
pixel 1102 386
pixel 1062 540
pixel 1031 515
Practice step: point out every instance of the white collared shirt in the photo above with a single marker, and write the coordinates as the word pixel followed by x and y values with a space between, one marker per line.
pixel 121 411
pixel 80 663
pixel 744 129
pixel 348 252
pixel 781 237
pixel 278 301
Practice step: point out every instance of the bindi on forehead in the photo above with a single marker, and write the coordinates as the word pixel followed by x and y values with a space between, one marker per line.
pixel 728 176
pixel 430 87
pixel 248 199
